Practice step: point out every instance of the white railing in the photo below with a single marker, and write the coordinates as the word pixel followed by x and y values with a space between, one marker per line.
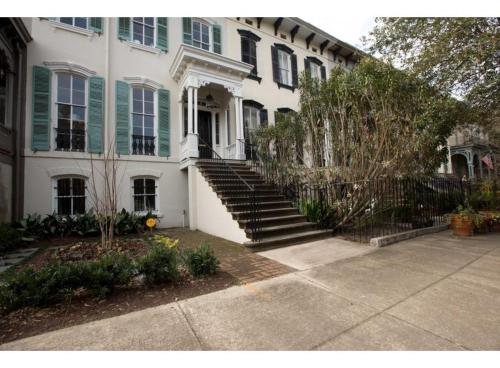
pixel 184 149
pixel 230 152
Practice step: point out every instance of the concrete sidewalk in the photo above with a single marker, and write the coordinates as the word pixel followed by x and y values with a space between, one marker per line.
pixel 435 292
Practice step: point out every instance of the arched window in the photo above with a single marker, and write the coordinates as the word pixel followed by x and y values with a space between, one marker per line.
pixel 144 194
pixel 71 112
pixel 70 195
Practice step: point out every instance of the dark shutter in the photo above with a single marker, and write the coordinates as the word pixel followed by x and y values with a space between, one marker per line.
pixel 162 33
pixel 263 117
pixel 187 31
pixel 124 29
pixel 164 122
pixel 276 65
pixel 95 25
pixel 122 117
pixel 295 76
pixel 216 37
pixel 40 128
pixel 323 72
pixel 96 114
pixel 307 67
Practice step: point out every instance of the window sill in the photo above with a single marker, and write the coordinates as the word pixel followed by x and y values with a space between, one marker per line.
pixel 67 27
pixel 254 77
pixel 285 86
pixel 138 46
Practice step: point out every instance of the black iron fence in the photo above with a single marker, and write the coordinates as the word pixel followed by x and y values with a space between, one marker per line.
pixel 70 139
pixel 371 208
pixel 143 145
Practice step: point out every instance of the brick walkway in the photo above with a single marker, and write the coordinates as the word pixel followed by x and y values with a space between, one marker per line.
pixel 235 259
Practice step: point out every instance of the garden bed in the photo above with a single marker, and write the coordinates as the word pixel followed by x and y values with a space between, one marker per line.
pixel 238 265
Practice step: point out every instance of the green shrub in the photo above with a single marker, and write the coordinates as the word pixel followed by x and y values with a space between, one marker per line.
pixel 85 225
pixel 102 275
pixel 10 238
pixel 159 264
pixel 318 212
pixel 32 226
pixel 201 261
pixel 38 288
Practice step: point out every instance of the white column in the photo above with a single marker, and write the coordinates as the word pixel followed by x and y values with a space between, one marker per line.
pixel 240 147
pixel 181 120
pixel 195 111
pixel 190 109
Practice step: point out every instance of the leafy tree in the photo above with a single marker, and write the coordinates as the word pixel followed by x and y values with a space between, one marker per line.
pixel 457 55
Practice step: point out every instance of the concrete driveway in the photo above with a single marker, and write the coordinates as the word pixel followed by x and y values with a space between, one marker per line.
pixel 435 292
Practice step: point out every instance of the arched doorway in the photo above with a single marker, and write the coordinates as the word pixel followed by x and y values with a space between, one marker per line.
pixel 459 165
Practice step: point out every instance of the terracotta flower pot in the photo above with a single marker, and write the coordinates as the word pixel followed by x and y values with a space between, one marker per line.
pixel 462 226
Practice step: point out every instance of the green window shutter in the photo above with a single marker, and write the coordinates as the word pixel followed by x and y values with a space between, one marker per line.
pixel 187 31
pixel 164 122
pixel 95 25
pixel 124 29
pixel 96 114
pixel 122 118
pixel 216 36
pixel 162 33
pixel 40 128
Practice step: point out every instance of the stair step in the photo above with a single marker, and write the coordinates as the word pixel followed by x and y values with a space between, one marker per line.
pixel 236 199
pixel 231 192
pixel 289 219
pixel 261 205
pixel 280 240
pixel 242 186
pixel 284 229
pixel 265 213
pixel 234 180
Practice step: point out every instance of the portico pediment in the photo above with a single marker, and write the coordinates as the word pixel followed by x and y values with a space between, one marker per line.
pixel 193 67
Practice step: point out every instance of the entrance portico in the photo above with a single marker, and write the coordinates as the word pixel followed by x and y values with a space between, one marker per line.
pixel 210 84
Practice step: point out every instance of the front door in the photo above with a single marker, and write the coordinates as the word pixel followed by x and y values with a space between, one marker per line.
pixel 205 134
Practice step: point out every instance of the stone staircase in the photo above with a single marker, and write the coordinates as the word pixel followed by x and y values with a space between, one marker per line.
pixel 280 223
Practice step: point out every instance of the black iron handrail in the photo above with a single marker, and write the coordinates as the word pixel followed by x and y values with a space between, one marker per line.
pixel 143 145
pixel 254 213
pixel 70 139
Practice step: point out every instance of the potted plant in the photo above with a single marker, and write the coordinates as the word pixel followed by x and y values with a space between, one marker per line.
pixel 465 221
pixel 495 223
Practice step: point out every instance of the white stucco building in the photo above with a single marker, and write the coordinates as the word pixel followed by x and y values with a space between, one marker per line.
pixel 157 90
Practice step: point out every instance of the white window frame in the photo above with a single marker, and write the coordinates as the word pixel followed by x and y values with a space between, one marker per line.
pixel 156 211
pixel 55 103
pixel 288 67
pixel 144 25
pixel 55 196
pixel 209 26
pixel 73 22
pixel 155 117
pixel 315 70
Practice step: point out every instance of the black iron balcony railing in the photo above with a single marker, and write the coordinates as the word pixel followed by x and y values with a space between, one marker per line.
pixel 143 145
pixel 70 139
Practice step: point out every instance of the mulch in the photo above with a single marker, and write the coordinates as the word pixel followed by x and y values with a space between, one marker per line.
pixel 238 266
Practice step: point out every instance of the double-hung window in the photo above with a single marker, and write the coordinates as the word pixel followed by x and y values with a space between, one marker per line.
pixel 71 111
pixel 144 194
pixel 75 22
pixel 70 196
pixel 143 30
pixel 4 97
pixel 249 50
pixel 285 67
pixel 143 121
pixel 201 35
pixel 315 70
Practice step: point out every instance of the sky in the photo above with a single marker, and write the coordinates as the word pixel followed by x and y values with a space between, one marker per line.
pixel 349 29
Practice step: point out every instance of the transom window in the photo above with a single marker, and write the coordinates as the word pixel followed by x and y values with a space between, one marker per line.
pixel 74 21
pixel 70 196
pixel 285 68
pixel 201 35
pixel 251 119
pixel 70 112
pixel 143 129
pixel 144 194
pixel 143 30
